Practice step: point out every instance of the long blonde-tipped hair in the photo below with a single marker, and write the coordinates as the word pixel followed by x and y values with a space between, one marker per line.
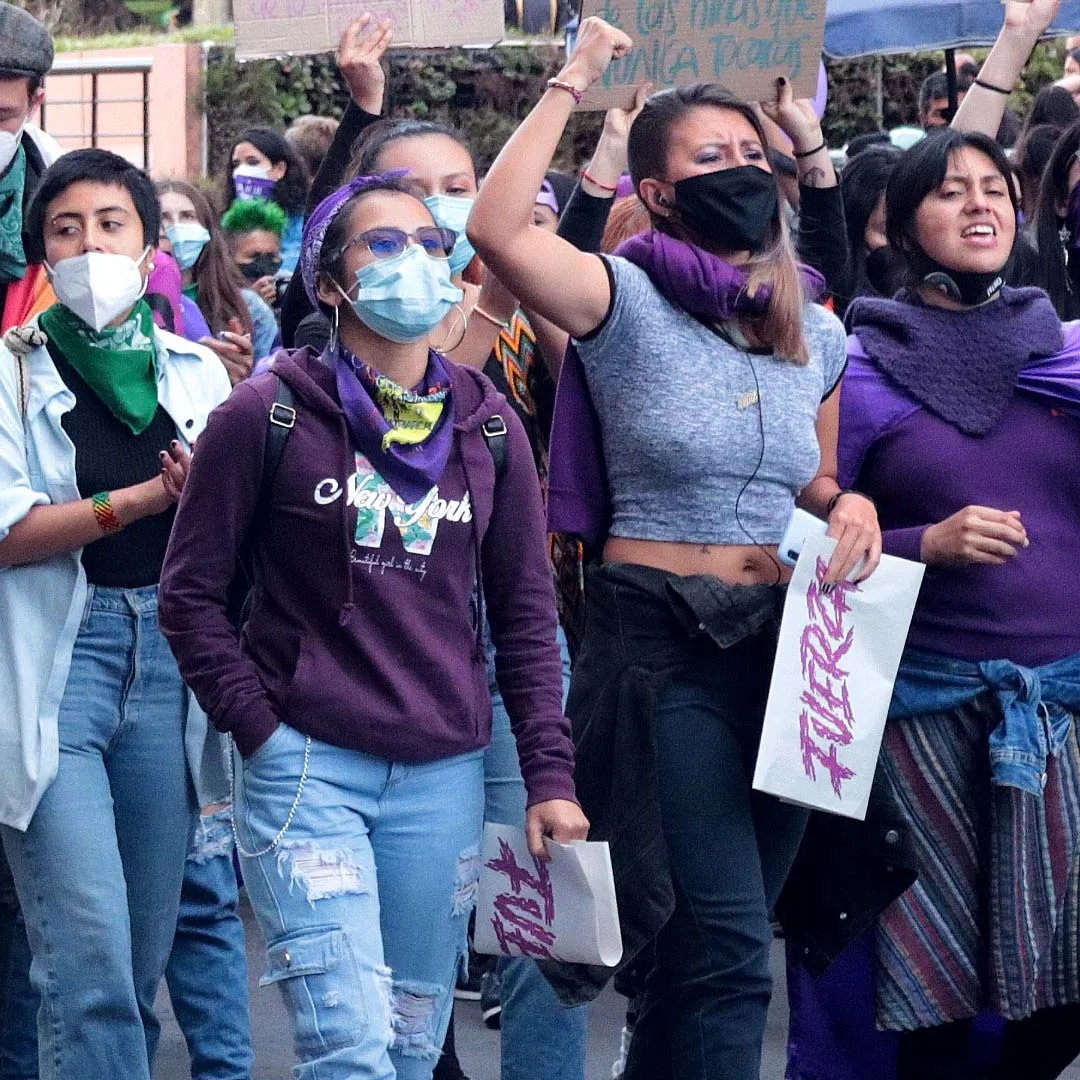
pixel 780 329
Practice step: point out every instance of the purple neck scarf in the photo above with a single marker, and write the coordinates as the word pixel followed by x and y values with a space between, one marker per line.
pixel 702 284
pixel 411 470
pixel 963 366
pixel 706 286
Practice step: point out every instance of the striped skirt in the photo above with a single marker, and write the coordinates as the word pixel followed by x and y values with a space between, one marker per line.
pixel 994 918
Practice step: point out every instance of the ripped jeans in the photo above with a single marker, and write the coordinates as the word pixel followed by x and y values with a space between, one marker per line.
pixel 365 901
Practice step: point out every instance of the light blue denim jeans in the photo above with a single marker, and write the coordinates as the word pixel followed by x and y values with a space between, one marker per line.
pixel 99 869
pixel 365 901
pixel 207 970
pixel 541 1040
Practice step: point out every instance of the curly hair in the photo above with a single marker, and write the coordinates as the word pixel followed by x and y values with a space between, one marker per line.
pixel 251 215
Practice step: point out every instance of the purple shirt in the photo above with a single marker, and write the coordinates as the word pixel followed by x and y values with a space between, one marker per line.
pixel 922 470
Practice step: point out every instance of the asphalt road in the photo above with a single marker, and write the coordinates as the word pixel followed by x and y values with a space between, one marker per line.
pixel 478 1048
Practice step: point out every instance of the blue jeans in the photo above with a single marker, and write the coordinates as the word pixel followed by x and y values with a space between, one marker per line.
pixel 365 901
pixel 541 1040
pixel 207 971
pixel 99 869
pixel 730 849
pixel 18 999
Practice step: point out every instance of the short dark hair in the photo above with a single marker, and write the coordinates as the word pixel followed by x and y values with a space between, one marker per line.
pixel 291 191
pixel 33 82
pixel 332 253
pixel 862 183
pixel 96 167
pixel 936 86
pixel 368 148
pixel 1075 55
pixel 922 169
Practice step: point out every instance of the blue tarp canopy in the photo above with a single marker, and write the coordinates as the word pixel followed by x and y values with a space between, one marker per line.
pixel 866 27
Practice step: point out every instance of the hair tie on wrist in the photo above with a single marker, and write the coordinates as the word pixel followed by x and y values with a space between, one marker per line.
pixel 799 154
pixel 830 506
pixel 586 175
pixel 573 91
pixel 992 88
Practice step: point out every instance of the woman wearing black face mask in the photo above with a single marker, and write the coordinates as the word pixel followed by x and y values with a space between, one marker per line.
pixel 714 383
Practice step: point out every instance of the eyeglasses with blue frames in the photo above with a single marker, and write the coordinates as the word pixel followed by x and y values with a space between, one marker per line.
pixel 386 243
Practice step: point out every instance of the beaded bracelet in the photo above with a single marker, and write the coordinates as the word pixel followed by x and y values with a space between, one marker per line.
pixel 107 520
pixel 573 91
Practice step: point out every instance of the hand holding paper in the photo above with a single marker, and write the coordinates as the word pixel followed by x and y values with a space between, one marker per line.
pixel 559 819
pixel 559 908
pixel 836 664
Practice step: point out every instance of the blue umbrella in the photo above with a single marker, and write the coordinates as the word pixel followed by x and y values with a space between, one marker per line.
pixel 867 27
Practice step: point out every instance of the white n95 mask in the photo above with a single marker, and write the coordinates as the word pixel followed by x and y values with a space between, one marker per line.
pixel 98 286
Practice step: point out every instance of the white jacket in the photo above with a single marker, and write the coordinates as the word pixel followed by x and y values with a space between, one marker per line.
pixel 41 605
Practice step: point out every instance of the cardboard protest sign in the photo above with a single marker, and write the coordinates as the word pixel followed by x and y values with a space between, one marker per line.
pixel 744 45
pixel 836 664
pixel 296 27
pixel 562 909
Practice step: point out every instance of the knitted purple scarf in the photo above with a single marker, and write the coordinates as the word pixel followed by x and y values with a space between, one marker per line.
pixel 963 366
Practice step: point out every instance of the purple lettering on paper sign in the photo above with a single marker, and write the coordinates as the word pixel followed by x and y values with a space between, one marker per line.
pixel 525 912
pixel 827 719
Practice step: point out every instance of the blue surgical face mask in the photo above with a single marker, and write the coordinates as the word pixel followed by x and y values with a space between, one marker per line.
pixel 188 238
pixel 405 297
pixel 452 212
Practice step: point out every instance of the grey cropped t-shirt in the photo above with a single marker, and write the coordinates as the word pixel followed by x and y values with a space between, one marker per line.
pixel 704 443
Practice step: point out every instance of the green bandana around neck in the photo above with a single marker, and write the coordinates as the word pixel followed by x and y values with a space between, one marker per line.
pixel 118 363
pixel 12 189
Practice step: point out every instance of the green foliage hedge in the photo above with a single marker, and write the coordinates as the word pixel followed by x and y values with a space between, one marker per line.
pixel 485 94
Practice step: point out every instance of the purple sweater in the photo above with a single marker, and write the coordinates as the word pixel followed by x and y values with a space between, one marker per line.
pixel 365 633
pixel 921 469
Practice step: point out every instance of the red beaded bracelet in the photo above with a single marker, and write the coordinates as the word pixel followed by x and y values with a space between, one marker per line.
pixel 573 91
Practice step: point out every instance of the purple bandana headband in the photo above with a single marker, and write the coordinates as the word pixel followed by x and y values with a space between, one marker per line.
pixel 547 198
pixel 320 220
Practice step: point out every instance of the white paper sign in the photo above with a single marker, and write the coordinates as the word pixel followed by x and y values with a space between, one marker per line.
pixel 836 663
pixel 562 909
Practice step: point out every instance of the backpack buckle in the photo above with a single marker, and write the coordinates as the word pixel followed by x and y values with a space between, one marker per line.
pixel 282 415
pixel 494 427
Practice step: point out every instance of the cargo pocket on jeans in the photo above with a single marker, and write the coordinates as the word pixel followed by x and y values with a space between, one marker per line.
pixel 315 971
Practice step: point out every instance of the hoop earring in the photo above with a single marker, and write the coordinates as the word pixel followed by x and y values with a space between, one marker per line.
pixel 464 330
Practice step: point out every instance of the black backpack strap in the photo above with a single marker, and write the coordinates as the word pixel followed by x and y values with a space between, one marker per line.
pixel 282 421
pixel 495 432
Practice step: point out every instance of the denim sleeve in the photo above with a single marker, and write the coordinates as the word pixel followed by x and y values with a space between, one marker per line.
pixel 17 494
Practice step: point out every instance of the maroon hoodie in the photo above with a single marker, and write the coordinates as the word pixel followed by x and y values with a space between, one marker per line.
pixel 364 632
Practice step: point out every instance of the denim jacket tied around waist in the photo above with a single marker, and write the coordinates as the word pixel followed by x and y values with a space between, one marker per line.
pixel 1036 706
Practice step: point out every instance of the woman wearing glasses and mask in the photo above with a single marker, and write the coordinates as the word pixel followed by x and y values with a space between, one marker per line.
pixel 357 693
pixel 98 412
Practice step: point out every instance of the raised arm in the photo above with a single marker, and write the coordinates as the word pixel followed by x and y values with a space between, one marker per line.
pixel 542 270
pixel 984 104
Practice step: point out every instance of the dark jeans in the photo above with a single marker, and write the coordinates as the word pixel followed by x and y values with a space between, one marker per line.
pixel 705 1002
pixel 18 999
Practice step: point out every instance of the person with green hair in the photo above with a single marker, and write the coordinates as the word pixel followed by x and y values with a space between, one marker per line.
pixel 254 228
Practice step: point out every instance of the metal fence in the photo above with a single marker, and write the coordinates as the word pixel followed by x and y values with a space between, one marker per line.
pixel 96 69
